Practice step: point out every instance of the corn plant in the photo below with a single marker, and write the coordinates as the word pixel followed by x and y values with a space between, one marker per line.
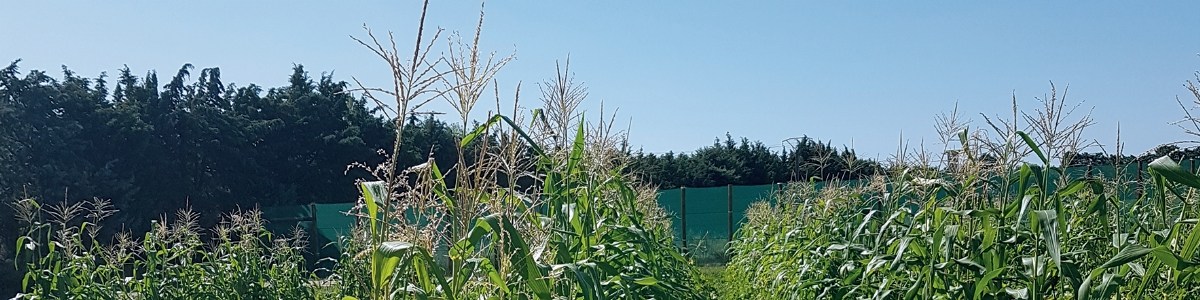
pixel 585 236
pixel 65 260
pixel 538 211
pixel 1014 235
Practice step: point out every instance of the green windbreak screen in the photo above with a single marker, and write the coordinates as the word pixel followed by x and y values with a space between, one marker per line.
pixel 745 195
pixel 708 215
pixel 669 200
pixel 330 221
pixel 707 212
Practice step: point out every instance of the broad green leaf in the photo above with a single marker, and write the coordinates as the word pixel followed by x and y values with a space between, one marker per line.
pixel 388 257
pixel 990 233
pixel 1098 205
pixel 1170 259
pixel 964 140
pixel 911 293
pixel 374 192
pixel 1107 286
pixel 1025 200
pixel 970 264
pixel 1072 188
pixel 1172 171
pixel 576 149
pixel 1033 146
pixel 1130 252
pixel 866 220
pixel 646 281
pixel 429 274
pixel 493 275
pixel 982 285
pixel 900 252
pixel 440 189
pixel 1048 221
pixel 1085 289
pixel 479 130
pixel 1192 243
pixel 521 259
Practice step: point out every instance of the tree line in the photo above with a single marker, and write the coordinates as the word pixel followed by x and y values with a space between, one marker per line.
pixel 751 163
pixel 199 142
pixel 195 141
pixel 1103 159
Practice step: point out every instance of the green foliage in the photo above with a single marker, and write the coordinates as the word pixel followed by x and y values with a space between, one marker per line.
pixel 72 139
pixel 206 145
pixel 747 163
pixel 588 237
pixel 1099 159
pixel 240 261
pixel 988 234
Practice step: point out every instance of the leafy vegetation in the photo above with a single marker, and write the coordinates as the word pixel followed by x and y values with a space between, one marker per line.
pixel 1010 237
pixel 994 228
pixel 581 230
pixel 751 163
pixel 171 261
pixel 210 146
pixel 543 205
pixel 206 145
pixel 537 211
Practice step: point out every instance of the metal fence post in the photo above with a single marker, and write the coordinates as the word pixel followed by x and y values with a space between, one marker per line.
pixel 729 197
pixel 683 218
pixel 313 238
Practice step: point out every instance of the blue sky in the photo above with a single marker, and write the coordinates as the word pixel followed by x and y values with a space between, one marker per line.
pixel 683 73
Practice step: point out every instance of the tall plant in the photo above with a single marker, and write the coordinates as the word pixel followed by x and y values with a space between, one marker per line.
pixel 986 230
pixel 535 211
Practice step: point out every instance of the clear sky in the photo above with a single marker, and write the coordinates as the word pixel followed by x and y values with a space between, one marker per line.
pixel 685 72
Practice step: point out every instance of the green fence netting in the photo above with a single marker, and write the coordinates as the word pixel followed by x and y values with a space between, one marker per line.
pixel 324 224
pixel 705 216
